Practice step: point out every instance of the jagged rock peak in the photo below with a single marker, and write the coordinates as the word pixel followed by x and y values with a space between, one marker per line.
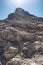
pixel 21 12
pixel 18 12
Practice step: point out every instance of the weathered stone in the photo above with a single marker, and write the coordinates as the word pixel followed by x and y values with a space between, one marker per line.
pixel 10 53
pixel 16 61
pixel 21 39
pixel 28 50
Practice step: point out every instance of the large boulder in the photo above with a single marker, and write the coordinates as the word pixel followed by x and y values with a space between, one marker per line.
pixel 14 61
pixel 38 58
pixel 28 50
pixel 39 37
pixel 10 53
pixel 12 34
pixel 38 46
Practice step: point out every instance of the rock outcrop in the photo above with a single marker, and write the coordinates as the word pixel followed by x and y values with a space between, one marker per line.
pixel 21 39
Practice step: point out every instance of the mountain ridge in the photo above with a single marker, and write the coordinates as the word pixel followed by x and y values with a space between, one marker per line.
pixel 21 39
pixel 22 13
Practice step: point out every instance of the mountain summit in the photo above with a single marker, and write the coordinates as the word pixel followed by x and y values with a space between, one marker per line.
pixel 18 12
pixel 21 39
pixel 21 13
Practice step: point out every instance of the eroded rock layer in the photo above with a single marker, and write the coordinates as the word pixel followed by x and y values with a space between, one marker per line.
pixel 21 39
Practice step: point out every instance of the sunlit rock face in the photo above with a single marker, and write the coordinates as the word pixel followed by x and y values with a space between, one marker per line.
pixel 16 61
pixel 21 12
pixel 21 39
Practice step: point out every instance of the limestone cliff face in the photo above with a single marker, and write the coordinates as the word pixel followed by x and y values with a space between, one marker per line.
pixel 21 39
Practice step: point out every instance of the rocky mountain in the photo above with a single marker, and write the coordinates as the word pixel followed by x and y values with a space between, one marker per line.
pixel 21 39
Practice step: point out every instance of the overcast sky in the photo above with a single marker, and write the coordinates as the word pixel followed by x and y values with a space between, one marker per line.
pixel 34 7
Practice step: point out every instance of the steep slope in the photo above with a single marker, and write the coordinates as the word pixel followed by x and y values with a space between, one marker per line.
pixel 21 39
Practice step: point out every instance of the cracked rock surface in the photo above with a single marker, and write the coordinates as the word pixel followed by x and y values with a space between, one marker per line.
pixel 21 39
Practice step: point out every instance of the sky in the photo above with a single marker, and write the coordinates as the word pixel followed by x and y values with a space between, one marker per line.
pixel 34 7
